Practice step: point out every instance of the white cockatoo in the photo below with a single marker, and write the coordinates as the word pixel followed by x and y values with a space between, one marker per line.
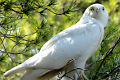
pixel 76 43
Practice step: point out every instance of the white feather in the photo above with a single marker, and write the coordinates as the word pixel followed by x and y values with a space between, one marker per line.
pixel 14 70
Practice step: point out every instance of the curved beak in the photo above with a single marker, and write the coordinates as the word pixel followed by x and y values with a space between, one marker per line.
pixel 98 10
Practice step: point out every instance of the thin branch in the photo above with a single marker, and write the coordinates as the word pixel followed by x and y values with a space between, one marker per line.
pixel 107 54
pixel 12 53
pixel 116 69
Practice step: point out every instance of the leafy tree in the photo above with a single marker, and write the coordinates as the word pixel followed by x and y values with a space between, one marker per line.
pixel 25 25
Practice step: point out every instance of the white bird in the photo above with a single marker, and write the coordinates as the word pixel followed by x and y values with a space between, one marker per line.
pixel 77 42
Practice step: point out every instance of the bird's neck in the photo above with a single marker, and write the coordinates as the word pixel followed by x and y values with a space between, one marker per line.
pixel 104 22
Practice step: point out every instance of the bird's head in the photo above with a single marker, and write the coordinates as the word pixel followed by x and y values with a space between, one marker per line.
pixel 98 12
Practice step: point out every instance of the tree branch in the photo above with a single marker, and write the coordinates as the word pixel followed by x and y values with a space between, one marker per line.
pixel 107 54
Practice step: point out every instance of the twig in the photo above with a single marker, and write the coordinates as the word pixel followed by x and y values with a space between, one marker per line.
pixel 111 72
pixel 12 53
pixel 107 54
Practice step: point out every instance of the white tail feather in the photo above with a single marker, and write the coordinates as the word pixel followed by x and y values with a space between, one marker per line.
pixel 14 70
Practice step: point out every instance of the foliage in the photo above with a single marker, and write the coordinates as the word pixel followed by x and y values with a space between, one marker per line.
pixel 25 25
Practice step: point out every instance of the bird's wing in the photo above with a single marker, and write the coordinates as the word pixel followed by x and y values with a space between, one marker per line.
pixel 45 56
pixel 53 40
pixel 61 35
pixel 82 24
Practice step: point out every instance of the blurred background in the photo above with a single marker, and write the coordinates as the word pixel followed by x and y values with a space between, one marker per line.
pixel 25 25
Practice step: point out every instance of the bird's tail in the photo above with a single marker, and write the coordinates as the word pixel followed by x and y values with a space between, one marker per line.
pixel 14 70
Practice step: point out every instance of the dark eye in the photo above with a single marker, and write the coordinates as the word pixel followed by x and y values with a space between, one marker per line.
pixel 103 8
pixel 91 9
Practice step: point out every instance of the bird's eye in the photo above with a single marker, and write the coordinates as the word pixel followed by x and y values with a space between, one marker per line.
pixel 91 9
pixel 103 8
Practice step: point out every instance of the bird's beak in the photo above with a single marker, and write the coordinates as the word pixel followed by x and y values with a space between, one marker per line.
pixel 98 10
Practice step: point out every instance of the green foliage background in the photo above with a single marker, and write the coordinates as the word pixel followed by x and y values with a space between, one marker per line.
pixel 25 25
